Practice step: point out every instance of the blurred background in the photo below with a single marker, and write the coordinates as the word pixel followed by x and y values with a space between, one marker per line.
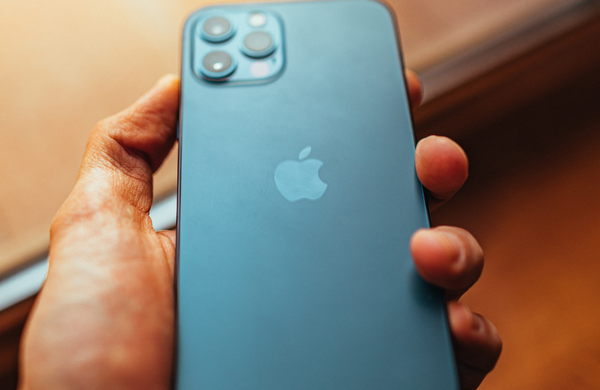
pixel 515 82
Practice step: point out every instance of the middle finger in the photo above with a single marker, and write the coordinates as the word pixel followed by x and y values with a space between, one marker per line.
pixel 448 257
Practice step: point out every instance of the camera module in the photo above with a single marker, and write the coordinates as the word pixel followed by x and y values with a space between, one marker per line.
pixel 232 46
pixel 217 65
pixel 258 44
pixel 217 29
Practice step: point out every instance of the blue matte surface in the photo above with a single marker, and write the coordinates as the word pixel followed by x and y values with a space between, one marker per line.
pixel 279 295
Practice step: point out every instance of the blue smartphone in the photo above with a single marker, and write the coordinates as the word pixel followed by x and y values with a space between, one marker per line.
pixel 297 200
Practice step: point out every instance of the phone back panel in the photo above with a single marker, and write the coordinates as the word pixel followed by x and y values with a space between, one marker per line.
pixel 311 294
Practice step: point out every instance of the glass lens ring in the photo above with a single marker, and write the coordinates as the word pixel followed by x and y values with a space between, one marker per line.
pixel 217 64
pixel 217 29
pixel 258 44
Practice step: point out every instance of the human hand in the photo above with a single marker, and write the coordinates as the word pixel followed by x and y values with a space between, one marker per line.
pixel 105 316
pixel 450 257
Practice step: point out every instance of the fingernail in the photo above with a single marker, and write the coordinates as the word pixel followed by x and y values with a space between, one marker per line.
pixel 454 248
pixel 460 314
pixel 476 323
pixel 168 78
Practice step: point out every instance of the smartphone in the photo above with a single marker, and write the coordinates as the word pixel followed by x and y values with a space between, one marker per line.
pixel 297 200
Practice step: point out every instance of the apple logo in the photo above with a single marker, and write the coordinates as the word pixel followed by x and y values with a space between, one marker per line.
pixel 298 180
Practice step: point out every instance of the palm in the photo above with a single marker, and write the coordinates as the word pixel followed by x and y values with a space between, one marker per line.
pixel 108 318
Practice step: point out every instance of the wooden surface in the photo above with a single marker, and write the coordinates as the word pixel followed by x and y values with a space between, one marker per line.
pixel 68 63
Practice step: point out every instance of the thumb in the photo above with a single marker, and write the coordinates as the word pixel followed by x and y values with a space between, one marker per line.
pixel 125 150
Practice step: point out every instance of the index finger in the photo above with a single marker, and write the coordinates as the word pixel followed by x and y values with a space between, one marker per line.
pixel 415 88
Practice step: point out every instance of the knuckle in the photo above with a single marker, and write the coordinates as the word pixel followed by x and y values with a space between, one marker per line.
pixel 104 126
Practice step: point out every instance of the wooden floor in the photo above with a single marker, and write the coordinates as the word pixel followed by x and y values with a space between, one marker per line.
pixel 533 201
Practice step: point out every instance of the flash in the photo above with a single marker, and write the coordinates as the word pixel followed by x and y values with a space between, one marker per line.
pixel 257 19
pixel 260 69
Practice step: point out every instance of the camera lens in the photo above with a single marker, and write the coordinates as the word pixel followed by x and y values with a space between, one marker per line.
pixel 217 29
pixel 258 44
pixel 218 64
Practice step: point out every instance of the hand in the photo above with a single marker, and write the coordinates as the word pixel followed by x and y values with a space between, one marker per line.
pixel 450 257
pixel 104 318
